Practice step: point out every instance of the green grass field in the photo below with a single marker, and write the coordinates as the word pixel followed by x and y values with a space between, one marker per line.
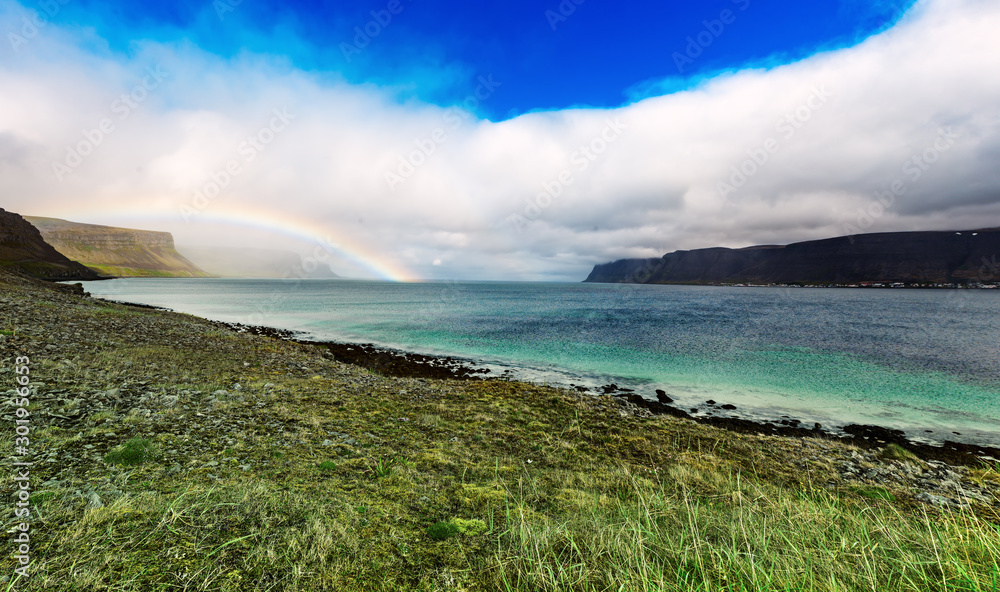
pixel 314 475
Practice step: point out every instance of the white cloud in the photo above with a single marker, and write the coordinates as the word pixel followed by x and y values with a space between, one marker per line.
pixel 653 188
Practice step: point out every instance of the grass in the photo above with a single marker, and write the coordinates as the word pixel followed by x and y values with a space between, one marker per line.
pixel 440 531
pixel 696 530
pixel 449 500
pixel 875 492
pixel 119 271
pixel 743 536
pixel 897 452
pixel 382 468
pixel 134 452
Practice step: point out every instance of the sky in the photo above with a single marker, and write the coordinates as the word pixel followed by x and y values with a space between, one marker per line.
pixel 425 139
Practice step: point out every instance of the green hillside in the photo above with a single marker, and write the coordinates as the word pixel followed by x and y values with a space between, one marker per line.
pixel 122 252
pixel 23 249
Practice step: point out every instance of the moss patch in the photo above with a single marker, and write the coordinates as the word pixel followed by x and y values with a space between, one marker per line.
pixel 134 452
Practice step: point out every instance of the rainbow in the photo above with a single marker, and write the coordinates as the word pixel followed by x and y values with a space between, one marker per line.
pixel 259 218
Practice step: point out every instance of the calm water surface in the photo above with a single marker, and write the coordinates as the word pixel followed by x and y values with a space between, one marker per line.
pixel 914 359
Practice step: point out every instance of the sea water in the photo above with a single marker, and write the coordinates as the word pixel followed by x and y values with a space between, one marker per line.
pixel 925 361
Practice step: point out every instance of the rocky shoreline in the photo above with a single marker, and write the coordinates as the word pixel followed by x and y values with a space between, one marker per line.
pixel 398 363
pixel 943 479
pixel 87 392
pixel 385 361
pixel 862 436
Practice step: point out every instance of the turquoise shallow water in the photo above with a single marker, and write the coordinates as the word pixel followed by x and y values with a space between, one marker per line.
pixel 918 360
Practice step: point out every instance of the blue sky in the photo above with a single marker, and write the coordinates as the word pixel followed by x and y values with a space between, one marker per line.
pixel 546 55
pixel 787 121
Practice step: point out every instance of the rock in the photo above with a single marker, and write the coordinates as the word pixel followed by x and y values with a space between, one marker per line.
pixel 94 502
pixel 934 500
pixel 710 402
pixel 949 484
pixel 874 433
pixel 662 397
pixel 729 407
pixel 327 443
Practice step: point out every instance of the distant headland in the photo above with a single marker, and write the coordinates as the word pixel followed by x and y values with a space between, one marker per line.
pixel 939 259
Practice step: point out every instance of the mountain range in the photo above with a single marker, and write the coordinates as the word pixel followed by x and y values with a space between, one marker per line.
pixel 55 249
pixel 935 258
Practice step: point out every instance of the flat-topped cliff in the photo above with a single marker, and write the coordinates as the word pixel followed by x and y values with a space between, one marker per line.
pixel 123 252
pixel 22 248
pixel 940 257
